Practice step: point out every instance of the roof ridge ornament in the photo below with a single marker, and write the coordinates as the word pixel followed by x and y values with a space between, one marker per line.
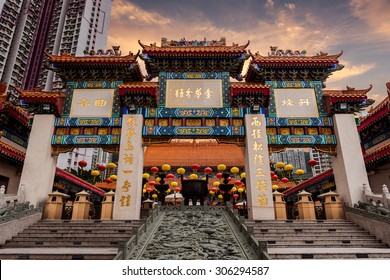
pixel 275 51
pixel 100 52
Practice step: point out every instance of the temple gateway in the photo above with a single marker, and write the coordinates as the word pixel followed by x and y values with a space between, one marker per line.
pixel 194 92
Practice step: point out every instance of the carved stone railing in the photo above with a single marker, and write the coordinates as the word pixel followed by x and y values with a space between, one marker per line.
pixel 382 199
pixel 18 211
pixel 260 247
pixel 124 248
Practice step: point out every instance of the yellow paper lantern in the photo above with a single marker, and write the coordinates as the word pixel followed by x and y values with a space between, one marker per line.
pixel 158 179
pixel 220 196
pixel 154 196
pixel 288 167
pixel 146 175
pixel 243 175
pixel 174 184
pixel 240 190
pixel 144 190
pixel 234 189
pixel 193 176
pixel 212 193
pixel 95 173
pixel 168 191
pixel 234 170
pixel 275 187
pixel 113 177
pixel 221 167
pixel 280 164
pixel 216 184
pixel 166 167
pixel 111 165
pixel 204 178
pixel 181 171
pixel 300 172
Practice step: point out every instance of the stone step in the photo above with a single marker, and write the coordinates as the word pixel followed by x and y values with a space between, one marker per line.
pixel 40 236
pixel 70 228
pixel 69 238
pixel 59 253
pixel 328 253
pixel 59 243
pixel 312 237
pixel 106 232
pixel 340 243
pixel 329 256
pixel 55 257
pixel 311 230
pixel 320 226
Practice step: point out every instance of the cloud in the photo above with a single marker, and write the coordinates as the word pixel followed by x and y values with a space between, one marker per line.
pixel 136 14
pixel 290 6
pixel 269 4
pixel 350 71
pixel 375 14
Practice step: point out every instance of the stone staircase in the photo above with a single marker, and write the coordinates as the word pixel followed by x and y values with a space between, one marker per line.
pixel 294 239
pixel 65 239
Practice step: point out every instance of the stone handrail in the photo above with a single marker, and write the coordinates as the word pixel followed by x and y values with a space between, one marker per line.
pixel 260 247
pixel 382 199
pixel 16 213
pixel 124 248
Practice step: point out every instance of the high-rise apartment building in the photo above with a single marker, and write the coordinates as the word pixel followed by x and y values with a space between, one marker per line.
pixel 324 161
pixel 29 27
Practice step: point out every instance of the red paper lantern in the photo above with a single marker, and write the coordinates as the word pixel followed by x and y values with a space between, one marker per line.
pixel 208 170
pixel 195 167
pixel 152 183
pixel 154 169
pixel 109 181
pixel 177 189
pixel 312 162
pixel 275 177
pixel 170 176
pixel 229 179
pixel 235 196
pixel 272 173
pixel 237 183
pixel 149 190
pixel 83 163
pixel 213 189
pixel 218 175
pixel 284 180
pixel 101 167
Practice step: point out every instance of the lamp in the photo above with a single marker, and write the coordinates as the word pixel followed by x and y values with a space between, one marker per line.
pixel 132 109
pixel 343 107
pixel 256 108
pixel 46 108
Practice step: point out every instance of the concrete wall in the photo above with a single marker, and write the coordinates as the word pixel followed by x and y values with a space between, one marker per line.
pixel 12 228
pixel 13 174
pixel 348 165
pixel 380 177
pixel 39 166
pixel 381 230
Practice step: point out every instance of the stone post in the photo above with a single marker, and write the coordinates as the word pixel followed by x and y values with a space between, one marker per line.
pixel 257 169
pixel 348 165
pixel 39 165
pixel 127 203
pixel 386 196
pixel 366 191
pixel 2 195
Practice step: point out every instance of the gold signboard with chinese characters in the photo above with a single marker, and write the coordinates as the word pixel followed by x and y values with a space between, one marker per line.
pixel 202 93
pixel 92 103
pixel 259 188
pixel 293 103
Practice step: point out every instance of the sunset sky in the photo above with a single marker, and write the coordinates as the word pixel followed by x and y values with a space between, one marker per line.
pixel 361 28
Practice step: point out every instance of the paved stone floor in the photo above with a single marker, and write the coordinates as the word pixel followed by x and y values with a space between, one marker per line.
pixel 194 235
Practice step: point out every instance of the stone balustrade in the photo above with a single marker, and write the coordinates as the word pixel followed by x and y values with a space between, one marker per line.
pixel 382 199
